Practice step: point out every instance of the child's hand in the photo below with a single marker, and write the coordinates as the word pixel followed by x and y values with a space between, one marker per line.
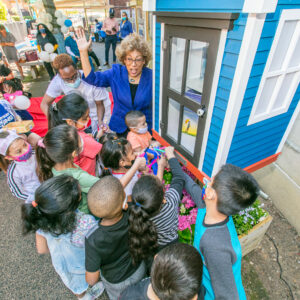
pixel 155 144
pixel 103 129
pixel 162 162
pixel 140 163
pixel 169 151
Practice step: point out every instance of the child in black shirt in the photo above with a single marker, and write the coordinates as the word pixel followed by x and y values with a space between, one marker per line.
pixel 106 245
pixel 176 274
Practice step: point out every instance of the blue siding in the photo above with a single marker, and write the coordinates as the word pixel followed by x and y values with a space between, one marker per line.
pixel 157 73
pixel 200 5
pixel 229 61
pixel 258 141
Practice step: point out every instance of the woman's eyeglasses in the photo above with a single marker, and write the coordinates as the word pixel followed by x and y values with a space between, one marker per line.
pixel 138 61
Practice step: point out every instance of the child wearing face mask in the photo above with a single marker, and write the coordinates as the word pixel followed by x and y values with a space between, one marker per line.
pixel 73 110
pixel 119 161
pixel 18 161
pixel 138 136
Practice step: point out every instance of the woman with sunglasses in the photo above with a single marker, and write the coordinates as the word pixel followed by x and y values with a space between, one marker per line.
pixel 69 81
pixel 130 81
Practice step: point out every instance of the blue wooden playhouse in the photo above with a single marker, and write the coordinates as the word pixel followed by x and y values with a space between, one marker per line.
pixel 226 79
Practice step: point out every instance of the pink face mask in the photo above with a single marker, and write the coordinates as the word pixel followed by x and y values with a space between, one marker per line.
pixel 25 156
pixel 11 97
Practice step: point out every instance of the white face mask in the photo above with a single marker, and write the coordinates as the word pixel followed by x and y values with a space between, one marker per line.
pixel 71 33
pixel 142 130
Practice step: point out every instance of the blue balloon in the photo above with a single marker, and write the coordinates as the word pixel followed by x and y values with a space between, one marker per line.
pixel 68 23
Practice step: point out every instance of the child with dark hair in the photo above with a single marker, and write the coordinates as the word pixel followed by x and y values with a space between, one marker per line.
pixel 18 161
pixel 153 216
pixel 176 274
pixel 58 227
pixel 55 156
pixel 230 191
pixel 106 246
pixel 74 111
pixel 138 136
pixel 13 88
pixel 118 156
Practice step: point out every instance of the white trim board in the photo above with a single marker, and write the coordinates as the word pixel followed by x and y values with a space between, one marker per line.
pixel 289 127
pixel 149 5
pixel 281 73
pixel 153 70
pixel 213 93
pixel 253 29
pixel 259 6
pixel 162 37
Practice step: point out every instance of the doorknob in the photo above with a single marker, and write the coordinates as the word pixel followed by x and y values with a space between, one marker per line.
pixel 201 111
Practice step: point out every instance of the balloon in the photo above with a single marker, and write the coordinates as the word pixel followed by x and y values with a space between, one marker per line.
pixel 68 23
pixel 21 102
pixel 60 21
pixel 52 56
pixel 64 29
pixel 44 56
pixel 49 48
pixel 58 14
pixel 50 27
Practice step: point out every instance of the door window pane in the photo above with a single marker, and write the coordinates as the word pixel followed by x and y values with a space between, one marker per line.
pixel 295 60
pixel 189 130
pixel 283 45
pixel 284 90
pixel 177 61
pixel 173 119
pixel 266 95
pixel 196 70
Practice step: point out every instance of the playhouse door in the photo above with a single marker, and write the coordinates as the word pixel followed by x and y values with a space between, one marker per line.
pixel 189 61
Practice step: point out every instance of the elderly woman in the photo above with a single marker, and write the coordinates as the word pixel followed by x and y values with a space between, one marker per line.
pixel 130 82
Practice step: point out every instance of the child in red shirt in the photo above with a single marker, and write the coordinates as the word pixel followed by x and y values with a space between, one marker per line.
pixel 73 110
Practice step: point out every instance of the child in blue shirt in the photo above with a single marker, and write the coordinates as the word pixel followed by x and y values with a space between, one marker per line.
pixel 229 192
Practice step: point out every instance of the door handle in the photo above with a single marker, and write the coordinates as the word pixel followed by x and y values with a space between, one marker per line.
pixel 201 111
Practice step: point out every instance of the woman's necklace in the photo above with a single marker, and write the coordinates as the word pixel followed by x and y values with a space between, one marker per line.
pixel 135 80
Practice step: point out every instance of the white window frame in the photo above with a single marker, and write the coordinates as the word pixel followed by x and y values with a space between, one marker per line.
pixel 286 15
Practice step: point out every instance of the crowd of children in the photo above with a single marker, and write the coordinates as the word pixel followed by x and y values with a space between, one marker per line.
pixel 108 224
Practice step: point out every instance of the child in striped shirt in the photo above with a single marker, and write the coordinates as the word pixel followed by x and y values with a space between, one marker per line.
pixel 153 216
pixel 18 161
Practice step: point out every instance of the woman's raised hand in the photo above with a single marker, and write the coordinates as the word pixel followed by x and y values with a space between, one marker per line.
pixel 82 43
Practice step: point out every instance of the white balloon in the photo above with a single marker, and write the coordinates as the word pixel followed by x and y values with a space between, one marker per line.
pixel 60 21
pixel 48 17
pixel 52 56
pixel 21 102
pixel 44 56
pixel 50 27
pixel 64 29
pixel 49 48
pixel 58 14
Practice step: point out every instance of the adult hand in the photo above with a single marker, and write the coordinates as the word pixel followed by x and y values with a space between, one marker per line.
pixel 1 79
pixel 78 57
pixel 82 43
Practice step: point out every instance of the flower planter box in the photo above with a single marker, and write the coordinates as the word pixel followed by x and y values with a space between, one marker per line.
pixel 252 239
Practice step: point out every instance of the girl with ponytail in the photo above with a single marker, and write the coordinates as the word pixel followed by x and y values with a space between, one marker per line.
pixel 153 215
pixel 55 155
pixel 60 229
pixel 73 110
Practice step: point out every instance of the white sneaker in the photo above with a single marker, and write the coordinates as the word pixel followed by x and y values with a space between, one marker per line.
pixel 94 292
